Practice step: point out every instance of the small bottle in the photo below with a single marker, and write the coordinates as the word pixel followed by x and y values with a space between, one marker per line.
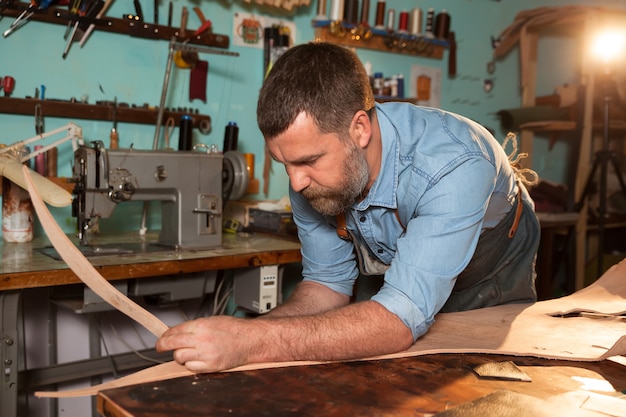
pixel 378 84
pixel 393 83
pixel 400 85
pixel 387 88
pixel 185 131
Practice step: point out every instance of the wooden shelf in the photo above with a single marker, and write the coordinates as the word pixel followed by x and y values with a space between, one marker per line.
pixel 69 110
pixel 550 125
pixel 382 40
pixel 61 16
pixel 382 99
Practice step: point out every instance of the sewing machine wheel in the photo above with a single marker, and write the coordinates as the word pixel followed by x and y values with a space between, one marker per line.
pixel 235 176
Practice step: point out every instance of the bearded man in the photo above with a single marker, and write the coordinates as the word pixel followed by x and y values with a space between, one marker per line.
pixel 425 198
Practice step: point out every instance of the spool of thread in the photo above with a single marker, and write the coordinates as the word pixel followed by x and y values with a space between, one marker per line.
pixel 40 162
pixel 442 25
pixel 249 164
pixel 185 132
pixel 430 17
pixel 231 137
pixel 321 10
pixel 391 20
pixel 351 11
pixel 416 21
pixel 336 10
pixel 380 14
pixel 403 22
pixel 365 12
pixel 204 126
pixel 51 162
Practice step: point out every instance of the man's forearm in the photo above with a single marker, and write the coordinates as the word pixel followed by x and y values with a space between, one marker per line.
pixel 309 298
pixel 353 331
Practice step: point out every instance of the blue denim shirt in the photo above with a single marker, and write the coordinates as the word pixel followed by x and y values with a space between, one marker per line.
pixel 447 178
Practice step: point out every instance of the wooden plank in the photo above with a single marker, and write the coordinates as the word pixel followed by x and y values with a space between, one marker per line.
pixel 26 266
pixel 76 110
pixel 420 386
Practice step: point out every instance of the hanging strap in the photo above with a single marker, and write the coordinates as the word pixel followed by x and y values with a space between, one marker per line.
pixel 342 229
pixel 518 212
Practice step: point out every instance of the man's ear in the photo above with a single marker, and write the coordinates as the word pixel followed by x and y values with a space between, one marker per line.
pixel 362 126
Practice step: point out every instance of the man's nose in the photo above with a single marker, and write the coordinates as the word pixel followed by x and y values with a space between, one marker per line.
pixel 298 178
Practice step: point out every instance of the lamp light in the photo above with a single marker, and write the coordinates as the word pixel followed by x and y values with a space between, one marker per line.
pixel 607 48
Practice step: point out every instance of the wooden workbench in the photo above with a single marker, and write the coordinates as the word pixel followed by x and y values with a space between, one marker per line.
pixel 414 386
pixel 25 266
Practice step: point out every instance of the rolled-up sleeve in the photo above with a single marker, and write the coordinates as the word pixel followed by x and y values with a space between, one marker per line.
pixel 438 244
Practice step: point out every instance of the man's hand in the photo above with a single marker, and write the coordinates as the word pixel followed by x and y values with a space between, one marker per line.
pixel 316 323
pixel 211 344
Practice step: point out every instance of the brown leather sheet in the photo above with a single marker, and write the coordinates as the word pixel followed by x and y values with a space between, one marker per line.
pixel 585 326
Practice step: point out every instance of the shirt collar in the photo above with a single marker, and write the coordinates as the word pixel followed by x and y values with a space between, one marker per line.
pixel 384 190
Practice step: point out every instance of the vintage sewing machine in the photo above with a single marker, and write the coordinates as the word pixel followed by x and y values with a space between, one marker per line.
pixel 189 185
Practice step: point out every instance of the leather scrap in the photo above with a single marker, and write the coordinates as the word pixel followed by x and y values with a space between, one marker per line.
pixel 513 404
pixel 197 82
pixel 506 371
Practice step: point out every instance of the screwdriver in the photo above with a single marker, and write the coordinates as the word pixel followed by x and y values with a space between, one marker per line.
pixel 91 27
pixel 81 10
pixel 22 19
pixel 73 6
pixel 90 10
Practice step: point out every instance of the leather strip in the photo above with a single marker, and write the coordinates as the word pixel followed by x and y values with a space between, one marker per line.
pixel 518 212
pixel 342 229
pixel 84 270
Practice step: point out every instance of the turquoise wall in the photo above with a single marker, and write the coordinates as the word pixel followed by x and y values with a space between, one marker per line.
pixel 132 70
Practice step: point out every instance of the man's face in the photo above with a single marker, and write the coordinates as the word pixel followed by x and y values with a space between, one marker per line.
pixel 328 171
pixel 333 200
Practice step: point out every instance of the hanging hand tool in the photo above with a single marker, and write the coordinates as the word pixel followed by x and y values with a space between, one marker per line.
pixel 74 7
pixel 92 26
pixel 81 10
pixel 23 18
pixel 156 12
pixel 170 10
pixel 90 10
pixel 39 129
pixel 114 135
pixel 183 23
pixel 138 11
pixel 205 24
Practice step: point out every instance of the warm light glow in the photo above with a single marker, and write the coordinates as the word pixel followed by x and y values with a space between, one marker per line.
pixel 609 46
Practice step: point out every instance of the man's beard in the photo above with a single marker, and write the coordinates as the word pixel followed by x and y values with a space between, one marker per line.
pixel 331 202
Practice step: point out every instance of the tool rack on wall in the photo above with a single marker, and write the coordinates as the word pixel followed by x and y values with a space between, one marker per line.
pixel 380 40
pixel 128 27
pixel 106 112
